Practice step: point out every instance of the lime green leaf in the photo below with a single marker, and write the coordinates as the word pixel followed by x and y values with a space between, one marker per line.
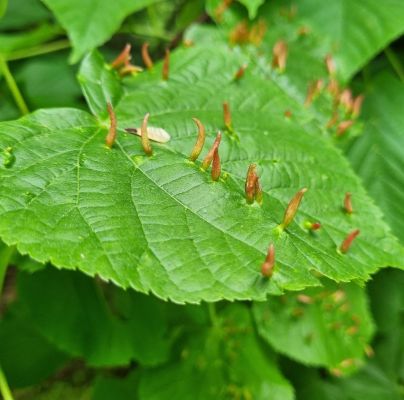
pixel 379 151
pixel 232 365
pixel 127 327
pixel 87 32
pixel 327 326
pixel 111 212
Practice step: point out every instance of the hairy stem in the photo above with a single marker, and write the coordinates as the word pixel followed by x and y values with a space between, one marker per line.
pixel 12 85
pixel 212 315
pixel 395 63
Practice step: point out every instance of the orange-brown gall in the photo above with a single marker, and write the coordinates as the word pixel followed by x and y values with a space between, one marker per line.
pixel 343 126
pixel 292 208
pixel 200 141
pixel 346 99
pixel 333 120
pixel 348 203
pixel 147 61
pixel 123 57
pixel 280 55
pixel 227 116
pixel 250 181
pixel 216 169
pixel 240 72
pixel 259 194
pixel 267 268
pixel 330 65
pixel 347 243
pixel 312 226
pixel 313 91
pixel 166 65
pixel 111 137
pixel 209 157
pixel 145 137
pixel 357 105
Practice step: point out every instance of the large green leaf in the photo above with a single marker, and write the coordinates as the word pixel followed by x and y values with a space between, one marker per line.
pixel 220 362
pixel 105 328
pixel 378 154
pixel 327 326
pixel 159 223
pixel 90 24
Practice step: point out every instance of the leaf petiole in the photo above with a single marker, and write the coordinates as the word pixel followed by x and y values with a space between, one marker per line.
pixel 12 85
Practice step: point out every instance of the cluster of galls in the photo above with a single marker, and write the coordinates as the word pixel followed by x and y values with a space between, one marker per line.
pixel 253 189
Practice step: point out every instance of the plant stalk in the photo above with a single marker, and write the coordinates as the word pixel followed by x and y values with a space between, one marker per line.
pixel 12 85
pixel 39 50
pixel 4 388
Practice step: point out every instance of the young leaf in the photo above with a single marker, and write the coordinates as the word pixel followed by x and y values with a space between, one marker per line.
pixel 111 212
pixel 327 326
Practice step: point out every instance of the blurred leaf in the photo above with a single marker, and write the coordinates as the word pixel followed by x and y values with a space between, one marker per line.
pixel 106 329
pixel 26 357
pixel 3 7
pixel 87 33
pixel 16 41
pixel 108 388
pixel 378 155
pixel 22 14
pixel 48 81
pixel 327 326
pixel 224 361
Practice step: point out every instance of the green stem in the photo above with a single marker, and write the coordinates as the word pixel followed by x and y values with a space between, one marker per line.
pixel 4 388
pixel 213 315
pixel 39 50
pixel 395 63
pixel 12 85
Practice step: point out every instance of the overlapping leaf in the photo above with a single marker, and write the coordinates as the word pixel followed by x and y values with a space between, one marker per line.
pixel 377 155
pixel 328 327
pixel 159 223
pixel 87 33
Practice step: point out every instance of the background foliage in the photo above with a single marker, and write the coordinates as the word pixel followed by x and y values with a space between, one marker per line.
pixel 117 267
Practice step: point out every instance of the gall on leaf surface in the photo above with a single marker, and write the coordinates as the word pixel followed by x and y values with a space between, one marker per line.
pixel 159 224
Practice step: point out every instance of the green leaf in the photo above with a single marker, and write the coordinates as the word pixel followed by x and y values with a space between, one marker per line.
pixel 379 151
pixel 107 388
pixel 112 212
pixel 26 357
pixel 87 33
pixel 232 365
pixel 105 326
pixel 370 383
pixel 327 326
pixel 354 42
pixel 252 6
pixel 100 84
pixel 3 7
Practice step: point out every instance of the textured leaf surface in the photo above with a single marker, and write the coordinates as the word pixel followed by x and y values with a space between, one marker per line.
pixel 325 327
pixel 224 361
pixel 160 223
pixel 378 154
pixel 87 32
pixel 106 328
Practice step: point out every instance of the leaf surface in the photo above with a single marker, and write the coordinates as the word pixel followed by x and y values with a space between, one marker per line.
pixel 159 223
